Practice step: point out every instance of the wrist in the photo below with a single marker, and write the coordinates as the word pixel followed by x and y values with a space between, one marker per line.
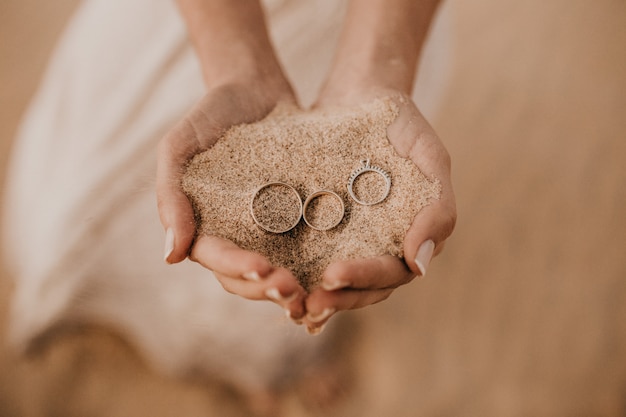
pixel 240 63
pixel 231 41
pixel 380 46
pixel 358 77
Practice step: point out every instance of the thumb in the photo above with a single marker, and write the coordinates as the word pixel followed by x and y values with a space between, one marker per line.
pixel 175 210
pixel 428 232
pixel 413 137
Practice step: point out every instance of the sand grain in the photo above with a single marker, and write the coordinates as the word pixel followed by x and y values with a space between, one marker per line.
pixel 311 151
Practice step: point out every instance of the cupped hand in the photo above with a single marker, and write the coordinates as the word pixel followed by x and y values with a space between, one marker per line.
pixel 241 272
pixel 353 284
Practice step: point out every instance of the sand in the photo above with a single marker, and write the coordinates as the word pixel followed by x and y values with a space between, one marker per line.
pixel 323 210
pixel 310 151
pixel 276 207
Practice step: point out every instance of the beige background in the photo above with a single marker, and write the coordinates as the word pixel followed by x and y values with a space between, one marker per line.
pixel 523 314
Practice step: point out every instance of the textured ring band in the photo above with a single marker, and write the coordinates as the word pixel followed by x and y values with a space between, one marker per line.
pixel 267 224
pixel 366 167
pixel 316 195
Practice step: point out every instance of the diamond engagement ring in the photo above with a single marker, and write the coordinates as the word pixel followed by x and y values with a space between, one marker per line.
pixel 366 167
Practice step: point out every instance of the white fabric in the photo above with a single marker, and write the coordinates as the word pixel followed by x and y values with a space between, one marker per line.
pixel 82 235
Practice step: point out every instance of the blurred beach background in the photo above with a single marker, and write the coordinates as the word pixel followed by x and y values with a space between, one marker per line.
pixel 523 314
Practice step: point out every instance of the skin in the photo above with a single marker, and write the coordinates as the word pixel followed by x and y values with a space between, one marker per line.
pixel 377 56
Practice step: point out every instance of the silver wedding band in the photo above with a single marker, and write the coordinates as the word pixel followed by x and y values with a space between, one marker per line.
pixel 302 209
pixel 313 197
pixel 269 228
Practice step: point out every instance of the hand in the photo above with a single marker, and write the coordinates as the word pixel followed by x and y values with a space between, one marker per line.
pixel 358 283
pixel 241 272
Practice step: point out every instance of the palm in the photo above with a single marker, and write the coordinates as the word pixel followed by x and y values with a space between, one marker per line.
pixel 373 280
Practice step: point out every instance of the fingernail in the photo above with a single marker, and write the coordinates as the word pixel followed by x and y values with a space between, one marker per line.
pixel 274 294
pixel 169 243
pixel 290 317
pixel 252 276
pixel 424 255
pixel 313 331
pixel 332 286
pixel 322 316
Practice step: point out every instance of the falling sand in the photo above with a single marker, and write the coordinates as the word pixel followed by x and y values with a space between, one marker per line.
pixel 310 151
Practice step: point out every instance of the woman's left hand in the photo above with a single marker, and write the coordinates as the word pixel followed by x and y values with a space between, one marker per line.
pixel 358 283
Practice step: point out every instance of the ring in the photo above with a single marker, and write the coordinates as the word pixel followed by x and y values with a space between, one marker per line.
pixel 323 224
pixel 276 207
pixel 366 167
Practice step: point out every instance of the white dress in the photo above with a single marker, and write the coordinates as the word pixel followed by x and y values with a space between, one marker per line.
pixel 82 235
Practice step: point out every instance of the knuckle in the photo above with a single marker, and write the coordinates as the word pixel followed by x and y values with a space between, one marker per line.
pixel 450 222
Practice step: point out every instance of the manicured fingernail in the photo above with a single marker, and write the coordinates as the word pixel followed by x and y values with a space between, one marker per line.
pixel 252 276
pixel 274 294
pixel 424 255
pixel 335 285
pixel 169 243
pixel 322 316
pixel 313 331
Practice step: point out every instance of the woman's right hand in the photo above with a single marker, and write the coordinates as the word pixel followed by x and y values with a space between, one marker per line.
pixel 244 83
pixel 241 272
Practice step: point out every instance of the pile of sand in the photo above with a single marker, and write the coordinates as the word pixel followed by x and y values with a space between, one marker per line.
pixel 310 151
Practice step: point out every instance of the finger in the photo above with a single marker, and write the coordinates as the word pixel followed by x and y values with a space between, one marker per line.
pixel 280 287
pixel 224 257
pixel 427 234
pixel 175 209
pixel 372 273
pixel 321 305
pixel 413 137
pixel 249 274
pixel 198 131
pixel 226 106
pixel 347 299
